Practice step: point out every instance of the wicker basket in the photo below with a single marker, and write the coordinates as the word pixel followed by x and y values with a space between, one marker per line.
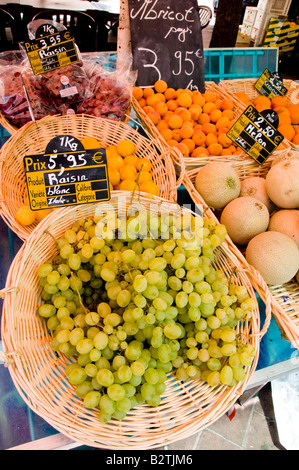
pixel 33 138
pixel 284 298
pixel 247 85
pixel 38 373
pixel 192 163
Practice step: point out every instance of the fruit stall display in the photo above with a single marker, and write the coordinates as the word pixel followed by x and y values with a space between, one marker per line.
pixel 124 340
pixel 259 208
pixel 193 122
pixel 286 106
pixel 134 162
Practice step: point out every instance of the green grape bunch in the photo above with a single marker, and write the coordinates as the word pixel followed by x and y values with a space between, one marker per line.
pixel 129 310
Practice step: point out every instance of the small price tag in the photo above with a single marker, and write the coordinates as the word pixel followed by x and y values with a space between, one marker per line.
pixel 270 85
pixel 256 133
pixel 66 174
pixel 50 49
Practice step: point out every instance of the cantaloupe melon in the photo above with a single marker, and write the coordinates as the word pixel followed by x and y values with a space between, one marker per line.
pixel 274 255
pixel 286 221
pixel 255 186
pixel 244 217
pixel 218 184
pixel 282 183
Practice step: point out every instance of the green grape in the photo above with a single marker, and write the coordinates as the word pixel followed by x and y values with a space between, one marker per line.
pixel 44 269
pixel 123 298
pixel 124 373
pixel 239 373
pixel 116 392
pixel 77 376
pixel 234 360
pixel 228 335
pixel 140 283
pixel 84 346
pixel 91 370
pixel 47 310
pixel 83 388
pixel 124 405
pixel 226 375
pixel 213 378
pixel 74 261
pixel 92 399
pixel 105 377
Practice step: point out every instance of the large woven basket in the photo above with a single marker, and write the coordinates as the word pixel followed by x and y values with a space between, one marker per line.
pixel 248 86
pixel 32 139
pixel 192 163
pixel 38 373
pixel 284 298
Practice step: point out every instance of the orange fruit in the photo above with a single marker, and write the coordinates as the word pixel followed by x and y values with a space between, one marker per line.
pixel 209 128
pixel 242 96
pixel 137 93
pixel 176 135
pixel 115 161
pixel 163 124
pixel 190 144
pixel 208 107
pixel 131 160
pixel 160 107
pixel 262 102
pixel 284 118
pixel 218 103
pixel 25 215
pixel 183 148
pixel 198 98
pixel 199 138
pixel 224 140
pixel 225 151
pixel 278 102
pixel 223 121
pixel 41 214
pixel 114 176
pixel 175 121
pixel 199 152
pixel 148 91
pixel 144 164
pixel 90 143
pixel 125 147
pixel 215 115
pixel 166 133
pixel 111 150
pixel 211 139
pixel 171 142
pixel 160 86
pixel 144 176
pixel 186 131
pixel 170 94
pixel 204 118
pixel 154 116
pixel 184 113
pixel 227 104
pixel 128 172
pixel 142 102
pixel 294 113
pixel 195 111
pixel 210 96
pixel 128 185
pixel 287 131
pixel 184 99
pixel 149 187
pixel 215 149
pixel 295 139
pixel 172 105
pixel 228 113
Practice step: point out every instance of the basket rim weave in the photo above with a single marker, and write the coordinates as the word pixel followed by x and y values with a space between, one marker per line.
pixel 38 374
pixel 35 136
pixel 191 162
pixel 284 298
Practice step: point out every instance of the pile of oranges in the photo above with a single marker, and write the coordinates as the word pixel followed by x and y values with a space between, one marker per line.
pixel 126 171
pixel 288 115
pixel 196 123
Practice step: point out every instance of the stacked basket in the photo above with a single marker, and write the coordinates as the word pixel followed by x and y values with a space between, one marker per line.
pixel 193 163
pixel 38 373
pixel 33 137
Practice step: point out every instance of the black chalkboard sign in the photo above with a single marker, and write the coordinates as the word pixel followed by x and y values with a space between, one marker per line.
pixel 256 133
pixel 167 43
pixel 66 174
